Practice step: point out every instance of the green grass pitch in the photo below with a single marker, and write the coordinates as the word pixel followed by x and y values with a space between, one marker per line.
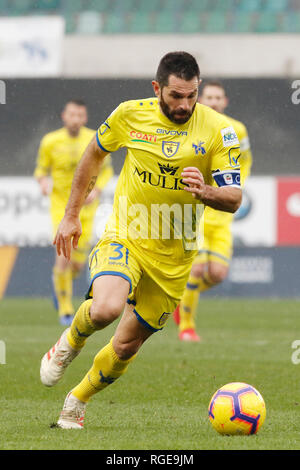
pixel 162 400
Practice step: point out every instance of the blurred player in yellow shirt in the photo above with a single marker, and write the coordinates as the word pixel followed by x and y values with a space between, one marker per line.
pixel 211 265
pixel 59 154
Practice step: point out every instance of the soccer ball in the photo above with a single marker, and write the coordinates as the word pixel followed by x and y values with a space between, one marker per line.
pixel 237 408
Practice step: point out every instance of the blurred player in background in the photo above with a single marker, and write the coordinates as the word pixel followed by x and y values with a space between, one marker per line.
pixel 59 154
pixel 211 265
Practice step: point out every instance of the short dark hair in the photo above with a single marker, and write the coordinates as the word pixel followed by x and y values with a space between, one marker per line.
pixel 216 83
pixel 181 64
pixel 76 101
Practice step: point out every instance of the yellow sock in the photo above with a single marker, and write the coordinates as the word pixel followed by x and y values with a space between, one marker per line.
pixel 82 326
pixel 62 281
pixel 75 273
pixel 189 301
pixel 107 367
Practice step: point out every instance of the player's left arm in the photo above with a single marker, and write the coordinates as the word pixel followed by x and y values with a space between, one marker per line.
pixel 224 198
pixel 221 188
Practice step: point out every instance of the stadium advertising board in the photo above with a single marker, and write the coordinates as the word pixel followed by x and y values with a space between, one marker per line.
pixel 24 213
pixel 254 272
pixel 255 221
pixel 31 46
pixel 288 203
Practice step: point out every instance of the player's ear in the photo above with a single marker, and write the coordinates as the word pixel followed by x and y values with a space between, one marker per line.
pixel 156 88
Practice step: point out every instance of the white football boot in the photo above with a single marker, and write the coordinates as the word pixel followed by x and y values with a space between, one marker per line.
pixel 56 360
pixel 72 414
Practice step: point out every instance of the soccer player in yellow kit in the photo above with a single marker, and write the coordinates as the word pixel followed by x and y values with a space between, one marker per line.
pixel 180 156
pixel 58 156
pixel 211 265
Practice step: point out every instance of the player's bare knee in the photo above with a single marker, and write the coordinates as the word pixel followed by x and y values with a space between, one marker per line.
pixel 103 312
pixel 76 266
pixel 126 350
pixel 76 269
pixel 197 270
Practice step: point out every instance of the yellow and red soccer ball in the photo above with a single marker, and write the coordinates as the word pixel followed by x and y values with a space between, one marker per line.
pixel 237 408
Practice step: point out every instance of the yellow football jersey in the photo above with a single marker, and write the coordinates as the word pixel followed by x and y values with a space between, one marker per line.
pixel 152 212
pixel 211 216
pixel 58 156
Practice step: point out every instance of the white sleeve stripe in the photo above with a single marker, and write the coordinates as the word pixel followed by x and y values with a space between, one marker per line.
pixel 218 172
pixel 245 144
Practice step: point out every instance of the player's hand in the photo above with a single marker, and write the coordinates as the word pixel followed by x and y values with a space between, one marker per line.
pixel 45 185
pixel 67 236
pixel 193 177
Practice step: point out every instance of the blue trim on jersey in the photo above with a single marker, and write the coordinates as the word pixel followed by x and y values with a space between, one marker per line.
pixel 144 323
pixel 99 144
pixel 131 302
pixel 227 178
pixel 111 273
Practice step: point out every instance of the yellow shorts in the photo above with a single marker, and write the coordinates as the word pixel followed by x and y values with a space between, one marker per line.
pixel 152 291
pixel 216 245
pixel 84 244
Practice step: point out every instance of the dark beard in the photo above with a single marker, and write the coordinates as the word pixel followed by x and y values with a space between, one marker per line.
pixel 171 115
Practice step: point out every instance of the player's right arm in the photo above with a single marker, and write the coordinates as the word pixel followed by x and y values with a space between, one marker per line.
pixel 84 180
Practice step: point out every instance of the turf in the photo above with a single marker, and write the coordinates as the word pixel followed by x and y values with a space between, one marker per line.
pixel 161 402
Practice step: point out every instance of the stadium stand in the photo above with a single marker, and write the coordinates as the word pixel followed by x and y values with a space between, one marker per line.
pixel 165 16
pixel 141 22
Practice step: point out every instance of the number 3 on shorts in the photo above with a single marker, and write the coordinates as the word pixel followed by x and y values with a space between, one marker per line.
pixel 120 253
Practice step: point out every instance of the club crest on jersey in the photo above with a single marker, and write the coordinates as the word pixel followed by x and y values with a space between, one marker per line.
pixel 170 148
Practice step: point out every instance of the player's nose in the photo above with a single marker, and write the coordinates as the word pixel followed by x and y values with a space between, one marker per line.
pixel 184 105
